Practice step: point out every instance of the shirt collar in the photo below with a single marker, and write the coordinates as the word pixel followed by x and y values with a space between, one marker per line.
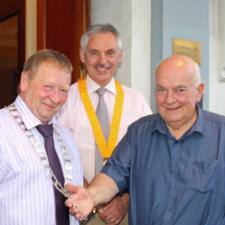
pixel 159 125
pixel 92 86
pixel 29 119
pixel 198 126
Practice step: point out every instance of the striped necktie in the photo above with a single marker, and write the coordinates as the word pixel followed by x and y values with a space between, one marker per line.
pixel 103 117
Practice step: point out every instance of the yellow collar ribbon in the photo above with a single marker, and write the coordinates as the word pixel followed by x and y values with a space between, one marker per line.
pixel 106 148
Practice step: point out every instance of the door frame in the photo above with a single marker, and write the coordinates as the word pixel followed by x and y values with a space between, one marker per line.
pixel 79 21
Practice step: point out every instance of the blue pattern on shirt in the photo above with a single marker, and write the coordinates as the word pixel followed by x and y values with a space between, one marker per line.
pixel 172 182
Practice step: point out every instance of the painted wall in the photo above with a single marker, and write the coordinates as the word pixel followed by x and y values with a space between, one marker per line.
pixel 217 56
pixel 195 20
pixel 113 12
pixel 184 20
pixel 188 20
pixel 132 19
pixel 156 43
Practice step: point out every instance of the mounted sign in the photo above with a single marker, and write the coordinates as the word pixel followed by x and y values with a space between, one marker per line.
pixel 189 48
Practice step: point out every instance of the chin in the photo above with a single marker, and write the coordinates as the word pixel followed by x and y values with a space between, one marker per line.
pixel 48 114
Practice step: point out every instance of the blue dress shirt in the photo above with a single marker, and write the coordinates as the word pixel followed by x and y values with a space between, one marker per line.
pixel 172 182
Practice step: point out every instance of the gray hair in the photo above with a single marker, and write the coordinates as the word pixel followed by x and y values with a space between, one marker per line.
pixel 46 55
pixel 100 28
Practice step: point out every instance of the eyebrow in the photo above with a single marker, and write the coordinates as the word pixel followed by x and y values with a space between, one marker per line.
pixel 179 86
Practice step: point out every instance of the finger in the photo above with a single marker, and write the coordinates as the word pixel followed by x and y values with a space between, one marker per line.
pixel 113 222
pixel 71 188
pixel 69 202
pixel 100 210
pixel 79 215
pixel 113 219
pixel 74 210
pixel 82 218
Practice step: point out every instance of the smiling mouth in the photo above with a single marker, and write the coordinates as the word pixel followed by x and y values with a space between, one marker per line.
pixel 50 107
pixel 174 108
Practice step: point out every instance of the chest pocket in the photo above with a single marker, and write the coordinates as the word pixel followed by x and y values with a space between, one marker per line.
pixel 200 192
pixel 200 175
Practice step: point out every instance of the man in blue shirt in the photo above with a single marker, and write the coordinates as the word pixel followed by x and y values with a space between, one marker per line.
pixel 171 162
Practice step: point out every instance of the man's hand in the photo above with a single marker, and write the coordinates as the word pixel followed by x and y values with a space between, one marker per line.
pixel 114 212
pixel 80 202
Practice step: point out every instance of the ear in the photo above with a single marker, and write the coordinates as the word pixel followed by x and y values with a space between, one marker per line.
pixel 120 56
pixel 24 81
pixel 200 91
pixel 82 55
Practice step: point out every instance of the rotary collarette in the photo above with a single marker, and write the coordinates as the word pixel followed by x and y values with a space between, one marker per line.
pixel 38 148
pixel 106 147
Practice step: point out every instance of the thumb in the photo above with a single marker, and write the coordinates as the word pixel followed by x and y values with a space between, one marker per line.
pixel 71 188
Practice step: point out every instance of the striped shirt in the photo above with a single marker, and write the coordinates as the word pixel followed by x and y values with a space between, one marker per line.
pixel 26 193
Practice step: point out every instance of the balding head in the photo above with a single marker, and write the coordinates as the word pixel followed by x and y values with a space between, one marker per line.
pixel 178 90
pixel 182 65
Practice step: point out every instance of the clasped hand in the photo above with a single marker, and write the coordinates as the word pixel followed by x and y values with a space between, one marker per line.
pixel 80 202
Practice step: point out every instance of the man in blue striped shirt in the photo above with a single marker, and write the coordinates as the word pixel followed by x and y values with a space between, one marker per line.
pixel 28 185
pixel 172 162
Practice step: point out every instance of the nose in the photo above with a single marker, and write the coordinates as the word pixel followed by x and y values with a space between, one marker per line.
pixel 55 97
pixel 102 59
pixel 170 97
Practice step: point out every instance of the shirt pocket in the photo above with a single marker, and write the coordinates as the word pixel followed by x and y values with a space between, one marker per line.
pixel 200 192
pixel 198 175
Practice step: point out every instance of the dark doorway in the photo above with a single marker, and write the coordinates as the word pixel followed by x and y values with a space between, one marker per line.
pixel 12 48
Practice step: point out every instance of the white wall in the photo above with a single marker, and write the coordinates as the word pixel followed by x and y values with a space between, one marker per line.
pixel 182 23
pixel 140 47
pixel 132 19
pixel 217 57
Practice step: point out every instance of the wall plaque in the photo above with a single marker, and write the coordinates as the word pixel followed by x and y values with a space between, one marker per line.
pixel 189 48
